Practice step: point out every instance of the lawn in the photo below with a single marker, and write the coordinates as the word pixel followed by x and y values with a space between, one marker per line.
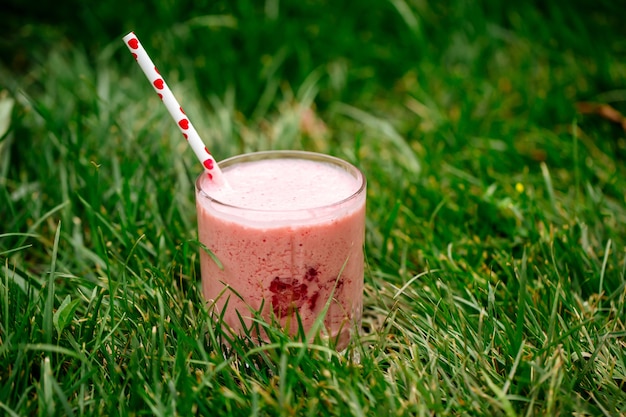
pixel 493 141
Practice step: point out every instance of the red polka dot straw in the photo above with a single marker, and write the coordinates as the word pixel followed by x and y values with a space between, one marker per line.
pixel 175 109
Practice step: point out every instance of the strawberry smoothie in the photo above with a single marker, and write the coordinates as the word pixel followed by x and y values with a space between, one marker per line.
pixel 288 238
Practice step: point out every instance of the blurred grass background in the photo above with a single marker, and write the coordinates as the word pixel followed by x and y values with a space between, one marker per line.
pixel 496 208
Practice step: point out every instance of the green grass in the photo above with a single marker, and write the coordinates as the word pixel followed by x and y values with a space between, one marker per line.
pixel 496 223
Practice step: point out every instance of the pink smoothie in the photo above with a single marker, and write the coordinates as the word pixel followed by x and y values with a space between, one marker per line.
pixel 289 236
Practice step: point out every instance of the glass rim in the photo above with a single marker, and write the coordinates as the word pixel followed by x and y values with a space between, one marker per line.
pixel 287 154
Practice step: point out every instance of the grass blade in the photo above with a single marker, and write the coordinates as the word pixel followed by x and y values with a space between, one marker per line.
pixel 48 317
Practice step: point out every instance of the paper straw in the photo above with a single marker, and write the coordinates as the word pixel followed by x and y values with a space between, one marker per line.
pixel 175 109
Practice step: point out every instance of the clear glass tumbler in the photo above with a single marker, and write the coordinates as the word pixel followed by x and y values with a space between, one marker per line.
pixel 289 245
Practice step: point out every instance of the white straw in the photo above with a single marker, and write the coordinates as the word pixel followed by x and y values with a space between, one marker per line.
pixel 175 110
